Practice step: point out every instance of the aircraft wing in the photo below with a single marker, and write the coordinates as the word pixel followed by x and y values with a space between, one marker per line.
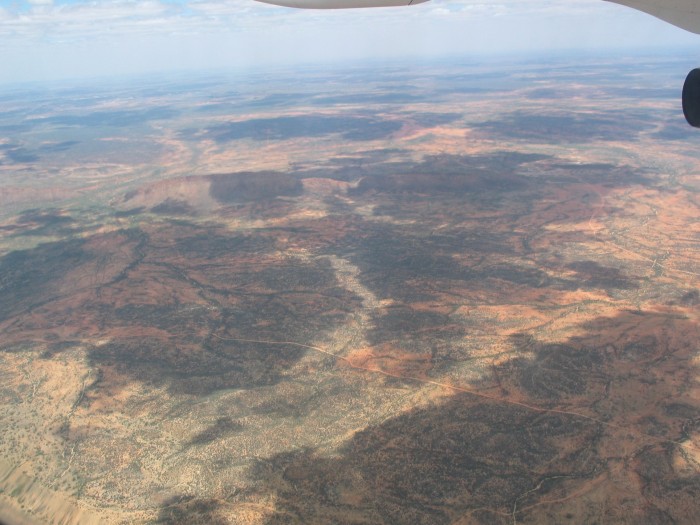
pixel 682 13
pixel 341 4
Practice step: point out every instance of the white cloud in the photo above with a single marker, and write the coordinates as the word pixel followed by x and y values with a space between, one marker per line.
pixel 104 19
pixel 98 36
pixel 87 20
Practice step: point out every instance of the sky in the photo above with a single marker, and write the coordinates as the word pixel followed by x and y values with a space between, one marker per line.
pixel 51 39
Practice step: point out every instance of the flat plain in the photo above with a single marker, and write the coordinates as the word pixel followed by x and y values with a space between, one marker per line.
pixel 448 294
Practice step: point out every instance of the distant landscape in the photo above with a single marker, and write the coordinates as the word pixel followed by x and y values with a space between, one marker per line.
pixel 451 294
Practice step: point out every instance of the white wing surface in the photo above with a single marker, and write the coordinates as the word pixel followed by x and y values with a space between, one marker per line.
pixel 681 13
pixel 341 4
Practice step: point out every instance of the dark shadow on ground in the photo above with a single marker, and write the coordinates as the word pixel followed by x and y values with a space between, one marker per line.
pixel 350 127
pixel 186 510
pixel 173 300
pixel 479 460
pixel 570 127
pixel 30 278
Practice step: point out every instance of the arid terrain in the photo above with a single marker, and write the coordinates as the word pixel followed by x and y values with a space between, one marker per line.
pixel 457 294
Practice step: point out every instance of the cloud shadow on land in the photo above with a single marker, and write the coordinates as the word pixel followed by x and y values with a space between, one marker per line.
pixel 30 278
pixel 430 465
pixel 172 302
pixel 202 351
pixel 221 428
pixel 484 461
pixel 253 186
pixel 350 127
pixel 188 510
pixel 570 127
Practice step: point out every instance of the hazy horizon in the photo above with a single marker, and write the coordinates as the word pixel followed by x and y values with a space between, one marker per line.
pixel 131 79
pixel 48 40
